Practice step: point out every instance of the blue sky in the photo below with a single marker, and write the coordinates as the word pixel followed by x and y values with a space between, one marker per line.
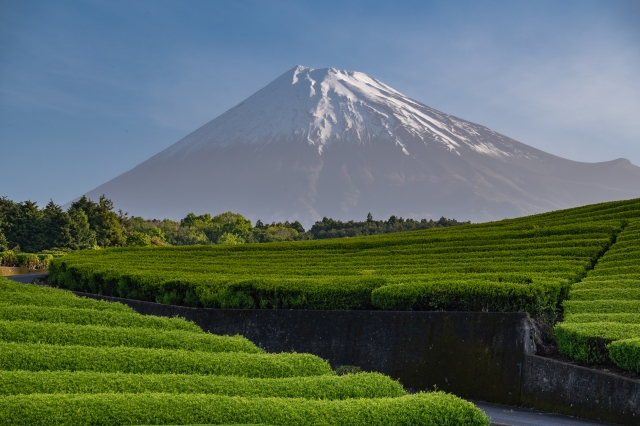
pixel 89 89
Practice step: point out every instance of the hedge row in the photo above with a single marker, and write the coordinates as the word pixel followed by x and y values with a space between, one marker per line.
pixel 626 354
pixel 99 336
pixel 434 408
pixel 93 383
pixel 617 318
pixel 471 296
pixel 588 342
pixel 25 260
pixel 27 294
pixel 606 294
pixel 602 317
pixel 363 385
pixel 471 267
pixel 42 357
pixel 602 306
pixel 83 316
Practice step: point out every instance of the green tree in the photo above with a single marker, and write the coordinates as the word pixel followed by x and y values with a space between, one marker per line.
pixel 215 227
pixel 4 244
pixel 229 238
pixel 102 220
pixel 138 239
pixel 82 236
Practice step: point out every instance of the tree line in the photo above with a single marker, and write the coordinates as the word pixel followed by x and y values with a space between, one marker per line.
pixel 87 224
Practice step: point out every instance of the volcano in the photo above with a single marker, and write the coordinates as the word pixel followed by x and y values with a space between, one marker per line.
pixel 325 142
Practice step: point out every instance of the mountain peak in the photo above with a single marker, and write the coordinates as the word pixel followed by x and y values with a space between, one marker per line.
pixel 326 142
pixel 326 106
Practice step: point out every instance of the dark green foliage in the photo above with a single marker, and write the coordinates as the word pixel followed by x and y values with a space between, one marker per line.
pixel 587 342
pixel 42 357
pixel 34 230
pixel 4 244
pixel 435 408
pixel 344 370
pixel 364 385
pixel 25 260
pixel 486 296
pixel 329 228
pixel 626 354
pixel 102 220
pixel 100 336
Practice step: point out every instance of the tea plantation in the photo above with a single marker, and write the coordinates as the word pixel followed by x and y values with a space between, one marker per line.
pixel 602 315
pixel 531 264
pixel 75 361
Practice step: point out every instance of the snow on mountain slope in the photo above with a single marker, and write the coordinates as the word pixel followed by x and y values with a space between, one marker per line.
pixel 324 142
pixel 327 106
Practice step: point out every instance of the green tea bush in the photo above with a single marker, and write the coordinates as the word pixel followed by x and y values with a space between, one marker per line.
pixel 606 294
pixel 626 354
pixel 471 296
pixel 435 408
pixel 27 294
pixel 82 316
pixel 42 357
pixel 587 342
pixel 471 265
pixel 363 385
pixel 602 317
pixel 602 307
pixel 617 318
pixel 99 336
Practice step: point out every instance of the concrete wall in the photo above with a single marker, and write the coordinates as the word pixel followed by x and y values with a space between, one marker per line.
pixel 475 355
pixel 471 354
pixel 559 387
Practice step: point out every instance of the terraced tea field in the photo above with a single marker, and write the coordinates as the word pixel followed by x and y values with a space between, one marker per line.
pixel 526 264
pixel 66 360
pixel 602 315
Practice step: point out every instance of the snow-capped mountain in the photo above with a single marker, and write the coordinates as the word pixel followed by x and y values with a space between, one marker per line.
pixel 325 142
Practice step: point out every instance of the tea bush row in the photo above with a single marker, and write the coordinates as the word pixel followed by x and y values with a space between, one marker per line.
pixel 626 353
pixel 602 317
pixel 362 385
pixel 25 260
pixel 84 316
pixel 83 384
pixel 21 294
pixel 43 357
pixel 387 272
pixel 434 408
pixel 100 336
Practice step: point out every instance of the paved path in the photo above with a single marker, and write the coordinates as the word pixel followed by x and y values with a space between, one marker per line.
pixel 512 416
pixel 26 278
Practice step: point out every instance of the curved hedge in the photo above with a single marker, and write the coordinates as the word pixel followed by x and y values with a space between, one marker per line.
pixel 362 385
pixel 100 336
pixel 41 357
pixel 84 316
pixel 434 408
pixel 29 294
pixel 626 354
